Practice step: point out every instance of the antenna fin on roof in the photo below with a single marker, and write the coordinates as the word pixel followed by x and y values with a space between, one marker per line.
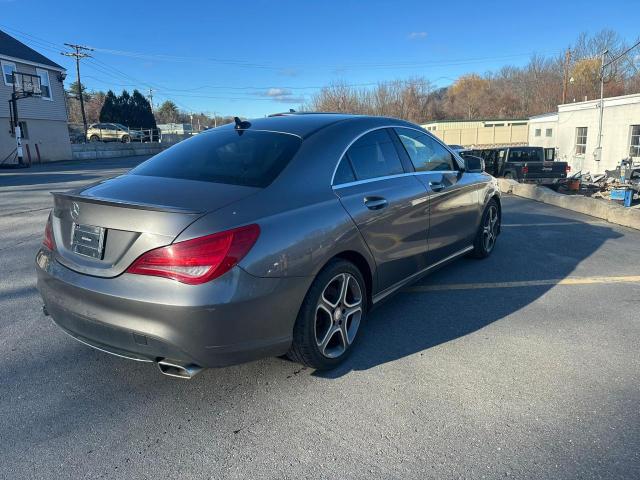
pixel 241 124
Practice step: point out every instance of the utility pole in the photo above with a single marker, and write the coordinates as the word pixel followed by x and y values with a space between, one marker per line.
pixel 598 153
pixel 567 62
pixel 151 98
pixel 78 54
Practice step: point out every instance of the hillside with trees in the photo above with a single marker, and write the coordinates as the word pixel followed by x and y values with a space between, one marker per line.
pixel 511 92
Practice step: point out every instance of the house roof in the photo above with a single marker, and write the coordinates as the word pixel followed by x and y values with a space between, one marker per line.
pixel 545 117
pixel 11 47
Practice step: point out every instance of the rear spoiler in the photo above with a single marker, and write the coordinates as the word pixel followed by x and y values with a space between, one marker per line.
pixel 117 203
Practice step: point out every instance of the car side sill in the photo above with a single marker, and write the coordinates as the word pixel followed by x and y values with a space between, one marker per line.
pixel 384 294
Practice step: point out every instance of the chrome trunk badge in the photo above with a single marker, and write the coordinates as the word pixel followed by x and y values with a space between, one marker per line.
pixel 75 210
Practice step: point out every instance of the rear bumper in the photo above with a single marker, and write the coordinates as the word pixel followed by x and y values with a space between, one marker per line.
pixel 234 319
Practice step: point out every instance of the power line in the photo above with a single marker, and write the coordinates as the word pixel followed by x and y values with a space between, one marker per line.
pixel 244 63
pixel 621 55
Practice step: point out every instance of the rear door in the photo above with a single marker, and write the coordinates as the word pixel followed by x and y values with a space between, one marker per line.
pixel 110 132
pixel 454 202
pixel 389 206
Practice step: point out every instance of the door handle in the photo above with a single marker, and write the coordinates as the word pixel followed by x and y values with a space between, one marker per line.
pixel 375 203
pixel 436 186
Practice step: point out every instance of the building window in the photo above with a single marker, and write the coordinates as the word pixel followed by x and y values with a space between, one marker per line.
pixel 7 72
pixel 548 132
pixel 538 132
pixel 581 140
pixel 634 149
pixel 45 86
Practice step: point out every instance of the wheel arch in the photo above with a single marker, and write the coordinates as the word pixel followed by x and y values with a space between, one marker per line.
pixel 496 197
pixel 363 265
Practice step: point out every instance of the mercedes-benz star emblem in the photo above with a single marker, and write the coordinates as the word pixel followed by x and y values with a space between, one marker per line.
pixel 75 210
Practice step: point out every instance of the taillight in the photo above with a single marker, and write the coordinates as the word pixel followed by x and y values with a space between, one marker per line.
pixel 48 240
pixel 198 260
pixel 568 169
pixel 525 170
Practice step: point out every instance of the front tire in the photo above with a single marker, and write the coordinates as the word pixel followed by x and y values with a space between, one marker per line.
pixel 126 139
pixel 488 231
pixel 330 317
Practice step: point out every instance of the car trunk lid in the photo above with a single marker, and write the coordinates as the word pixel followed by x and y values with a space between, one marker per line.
pixel 100 230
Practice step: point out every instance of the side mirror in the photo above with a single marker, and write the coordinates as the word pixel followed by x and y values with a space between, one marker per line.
pixel 473 164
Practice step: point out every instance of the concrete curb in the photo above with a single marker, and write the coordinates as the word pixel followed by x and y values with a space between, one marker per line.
pixel 94 151
pixel 611 212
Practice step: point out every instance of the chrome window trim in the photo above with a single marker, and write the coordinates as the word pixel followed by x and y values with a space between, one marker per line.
pixel 362 134
pixel 260 130
pixel 387 177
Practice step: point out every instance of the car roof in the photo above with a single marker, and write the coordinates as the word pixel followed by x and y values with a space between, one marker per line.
pixel 305 124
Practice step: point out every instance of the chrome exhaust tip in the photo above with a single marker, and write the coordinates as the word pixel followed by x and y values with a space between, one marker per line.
pixel 177 370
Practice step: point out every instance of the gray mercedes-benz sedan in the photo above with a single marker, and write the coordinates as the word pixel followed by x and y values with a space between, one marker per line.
pixel 269 237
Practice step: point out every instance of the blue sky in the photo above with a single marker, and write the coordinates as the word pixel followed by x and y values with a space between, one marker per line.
pixel 251 58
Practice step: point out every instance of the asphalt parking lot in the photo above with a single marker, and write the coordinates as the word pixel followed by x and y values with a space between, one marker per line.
pixel 523 365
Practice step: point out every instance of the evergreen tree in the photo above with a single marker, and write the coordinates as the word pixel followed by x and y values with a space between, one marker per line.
pixel 108 110
pixel 74 91
pixel 123 109
pixel 141 111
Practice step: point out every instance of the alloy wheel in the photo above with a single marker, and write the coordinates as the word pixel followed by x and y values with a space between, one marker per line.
pixel 490 229
pixel 338 315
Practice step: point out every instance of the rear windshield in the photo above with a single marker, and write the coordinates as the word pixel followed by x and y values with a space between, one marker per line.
pixel 249 158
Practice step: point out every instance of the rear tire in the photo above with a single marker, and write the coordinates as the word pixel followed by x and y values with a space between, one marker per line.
pixel 488 231
pixel 94 138
pixel 330 317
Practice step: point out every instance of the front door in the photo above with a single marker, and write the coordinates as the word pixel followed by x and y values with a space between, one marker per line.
pixel 454 203
pixel 389 206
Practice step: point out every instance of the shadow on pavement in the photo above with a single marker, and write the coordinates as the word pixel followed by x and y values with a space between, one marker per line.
pixel 412 322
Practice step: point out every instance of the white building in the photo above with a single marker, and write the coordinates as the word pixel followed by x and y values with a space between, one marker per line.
pixel 543 130
pixel 577 133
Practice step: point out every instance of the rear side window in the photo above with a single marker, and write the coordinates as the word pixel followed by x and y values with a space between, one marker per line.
pixel 248 158
pixel 524 155
pixel 426 154
pixel 374 155
pixel 344 172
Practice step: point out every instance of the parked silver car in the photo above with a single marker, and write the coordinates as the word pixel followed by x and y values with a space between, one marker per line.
pixel 270 237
